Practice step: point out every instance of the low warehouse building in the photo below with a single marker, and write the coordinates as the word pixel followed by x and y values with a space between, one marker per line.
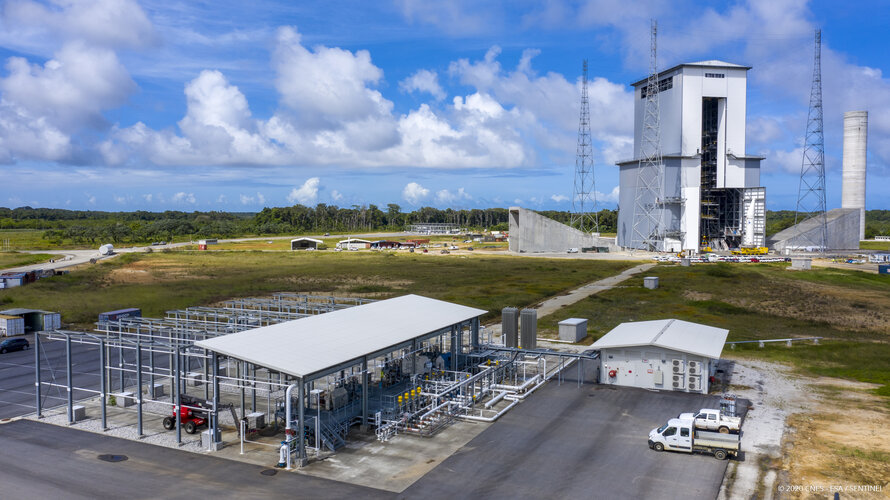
pixel 664 354
pixel 305 243
pixel 36 320
pixel 353 244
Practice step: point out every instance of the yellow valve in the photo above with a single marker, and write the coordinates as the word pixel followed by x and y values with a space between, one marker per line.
pixel 418 390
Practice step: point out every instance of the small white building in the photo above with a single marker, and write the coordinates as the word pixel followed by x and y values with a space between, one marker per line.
pixel 668 354
pixel 305 243
pixel 353 244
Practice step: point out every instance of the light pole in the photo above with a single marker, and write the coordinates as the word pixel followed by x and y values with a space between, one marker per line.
pixel 317 393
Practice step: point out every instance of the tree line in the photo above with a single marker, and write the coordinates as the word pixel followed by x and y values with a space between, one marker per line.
pixel 82 227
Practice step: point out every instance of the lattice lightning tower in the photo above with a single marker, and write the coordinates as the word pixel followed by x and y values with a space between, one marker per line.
pixel 584 216
pixel 811 190
pixel 650 174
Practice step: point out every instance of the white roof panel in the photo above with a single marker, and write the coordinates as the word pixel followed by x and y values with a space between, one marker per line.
pixel 309 345
pixel 306 239
pixel 683 336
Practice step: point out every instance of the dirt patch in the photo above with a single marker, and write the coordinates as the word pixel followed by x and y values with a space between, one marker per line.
pixel 140 273
pixel 827 450
pixel 804 436
pixel 696 296
pixel 840 307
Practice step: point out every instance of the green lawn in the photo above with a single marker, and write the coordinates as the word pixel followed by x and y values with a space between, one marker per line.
pixel 171 280
pixel 875 245
pixel 762 301
pixel 16 259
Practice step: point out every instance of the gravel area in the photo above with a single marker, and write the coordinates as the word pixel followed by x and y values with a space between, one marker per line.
pixel 775 394
pixel 151 435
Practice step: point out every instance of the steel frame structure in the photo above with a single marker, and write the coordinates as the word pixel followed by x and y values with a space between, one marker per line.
pixel 584 215
pixel 647 231
pixel 811 189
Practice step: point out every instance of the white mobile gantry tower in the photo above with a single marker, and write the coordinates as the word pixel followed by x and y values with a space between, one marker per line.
pixel 711 193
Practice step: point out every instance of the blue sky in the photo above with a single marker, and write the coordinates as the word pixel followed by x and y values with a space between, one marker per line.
pixel 194 105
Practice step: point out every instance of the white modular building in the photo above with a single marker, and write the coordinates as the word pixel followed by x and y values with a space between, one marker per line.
pixel 667 354
pixel 711 193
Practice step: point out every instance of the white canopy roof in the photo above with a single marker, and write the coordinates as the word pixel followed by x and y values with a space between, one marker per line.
pixel 309 345
pixel 683 336
pixel 306 239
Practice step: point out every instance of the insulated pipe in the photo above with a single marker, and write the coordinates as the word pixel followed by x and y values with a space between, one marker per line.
pixel 515 388
pixel 302 419
pixel 490 419
pixel 495 399
pixel 288 412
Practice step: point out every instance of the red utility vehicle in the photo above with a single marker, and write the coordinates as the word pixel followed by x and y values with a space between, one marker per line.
pixel 189 418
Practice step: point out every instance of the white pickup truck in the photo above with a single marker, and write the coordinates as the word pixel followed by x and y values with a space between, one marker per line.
pixel 680 435
pixel 713 420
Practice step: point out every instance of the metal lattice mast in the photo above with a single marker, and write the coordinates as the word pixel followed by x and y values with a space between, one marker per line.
pixel 811 190
pixel 584 216
pixel 650 174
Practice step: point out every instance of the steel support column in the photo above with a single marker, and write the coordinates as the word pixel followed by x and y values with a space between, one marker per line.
pixel 103 385
pixel 70 381
pixel 366 382
pixel 178 395
pixel 37 372
pixel 139 389
pixel 215 424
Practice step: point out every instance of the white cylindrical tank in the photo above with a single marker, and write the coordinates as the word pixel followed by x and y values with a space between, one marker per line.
pixel 855 145
pixel 106 249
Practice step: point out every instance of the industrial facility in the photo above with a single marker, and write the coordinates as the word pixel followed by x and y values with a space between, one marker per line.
pixel 325 366
pixel 665 354
pixel 710 193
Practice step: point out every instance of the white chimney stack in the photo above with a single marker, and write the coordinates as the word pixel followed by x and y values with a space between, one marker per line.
pixel 855 144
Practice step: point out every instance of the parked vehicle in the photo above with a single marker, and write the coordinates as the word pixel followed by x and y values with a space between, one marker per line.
pixel 713 420
pixel 16 344
pixel 572 250
pixel 190 419
pixel 680 435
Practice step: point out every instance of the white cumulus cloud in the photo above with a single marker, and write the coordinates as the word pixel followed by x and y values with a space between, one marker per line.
pixel 336 195
pixel 306 194
pixel 183 197
pixel 446 197
pixel 414 193
pixel 558 198
pixel 424 80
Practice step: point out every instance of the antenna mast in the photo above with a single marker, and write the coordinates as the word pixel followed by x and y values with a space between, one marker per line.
pixel 811 190
pixel 584 216
pixel 650 174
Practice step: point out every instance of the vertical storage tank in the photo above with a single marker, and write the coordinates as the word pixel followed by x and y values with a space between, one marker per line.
pixel 510 326
pixel 855 146
pixel 528 328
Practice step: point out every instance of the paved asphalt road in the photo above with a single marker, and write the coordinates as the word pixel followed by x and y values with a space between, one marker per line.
pixel 566 442
pixel 46 461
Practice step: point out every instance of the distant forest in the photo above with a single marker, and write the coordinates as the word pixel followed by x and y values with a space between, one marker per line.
pixel 142 227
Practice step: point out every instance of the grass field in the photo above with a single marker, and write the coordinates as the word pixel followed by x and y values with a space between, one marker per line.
pixel 875 245
pixel 171 280
pixel 15 259
pixel 851 309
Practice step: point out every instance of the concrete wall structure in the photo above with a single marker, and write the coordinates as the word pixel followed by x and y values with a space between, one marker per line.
pixel 855 147
pixel 843 233
pixel 531 232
